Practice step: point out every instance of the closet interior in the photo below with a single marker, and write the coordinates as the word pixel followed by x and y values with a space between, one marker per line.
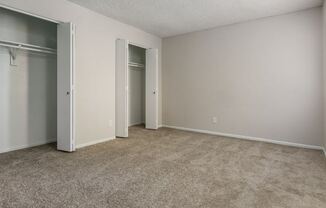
pixel 137 86
pixel 36 81
pixel 28 81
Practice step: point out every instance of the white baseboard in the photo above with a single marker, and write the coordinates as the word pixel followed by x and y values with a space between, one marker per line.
pixel 24 146
pixel 324 149
pixel 94 142
pixel 247 138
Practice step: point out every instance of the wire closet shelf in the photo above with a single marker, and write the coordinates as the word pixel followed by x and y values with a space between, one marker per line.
pixel 138 65
pixel 28 47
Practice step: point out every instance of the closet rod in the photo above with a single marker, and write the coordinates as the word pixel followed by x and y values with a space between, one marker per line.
pixel 136 65
pixel 29 47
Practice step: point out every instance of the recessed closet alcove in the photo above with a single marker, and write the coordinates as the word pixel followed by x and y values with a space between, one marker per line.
pixel 136 87
pixel 137 79
pixel 36 81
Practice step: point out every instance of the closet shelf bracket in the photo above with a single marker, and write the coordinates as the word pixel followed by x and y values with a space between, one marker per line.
pixel 13 56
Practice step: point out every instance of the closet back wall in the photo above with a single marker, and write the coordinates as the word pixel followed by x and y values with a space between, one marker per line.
pixel 28 106
pixel 260 79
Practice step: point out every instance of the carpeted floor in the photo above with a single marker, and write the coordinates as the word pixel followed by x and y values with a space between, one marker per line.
pixel 165 168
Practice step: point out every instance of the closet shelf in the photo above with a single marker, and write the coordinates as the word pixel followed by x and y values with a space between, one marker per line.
pixel 133 64
pixel 28 47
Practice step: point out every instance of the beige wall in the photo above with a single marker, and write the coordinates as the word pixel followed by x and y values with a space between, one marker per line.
pixel 261 79
pixel 95 62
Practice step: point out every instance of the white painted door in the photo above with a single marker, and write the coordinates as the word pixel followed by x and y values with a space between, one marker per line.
pixel 121 86
pixel 151 89
pixel 65 85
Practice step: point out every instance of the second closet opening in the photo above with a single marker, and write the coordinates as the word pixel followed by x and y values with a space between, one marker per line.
pixel 136 100
pixel 137 85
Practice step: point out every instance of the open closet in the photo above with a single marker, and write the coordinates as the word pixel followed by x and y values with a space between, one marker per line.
pixel 136 87
pixel 36 81
pixel 136 83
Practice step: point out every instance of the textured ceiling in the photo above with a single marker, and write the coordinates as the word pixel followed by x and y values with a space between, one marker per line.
pixel 173 17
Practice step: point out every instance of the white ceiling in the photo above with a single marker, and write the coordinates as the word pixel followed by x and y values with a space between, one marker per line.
pixel 173 17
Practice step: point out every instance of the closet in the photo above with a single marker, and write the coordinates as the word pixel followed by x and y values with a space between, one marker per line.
pixel 136 83
pixel 36 81
pixel 136 87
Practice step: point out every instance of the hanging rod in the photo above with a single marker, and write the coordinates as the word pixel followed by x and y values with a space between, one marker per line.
pixel 133 64
pixel 29 47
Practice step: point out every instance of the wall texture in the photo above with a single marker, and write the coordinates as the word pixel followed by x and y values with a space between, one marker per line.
pixel 260 78
pixel 28 106
pixel 95 62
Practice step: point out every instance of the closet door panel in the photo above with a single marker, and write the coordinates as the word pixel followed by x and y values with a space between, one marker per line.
pixel 65 92
pixel 121 105
pixel 151 89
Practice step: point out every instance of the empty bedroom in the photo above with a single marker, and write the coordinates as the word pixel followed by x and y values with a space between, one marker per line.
pixel 134 104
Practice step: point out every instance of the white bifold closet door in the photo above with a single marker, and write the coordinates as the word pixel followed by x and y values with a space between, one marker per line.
pixel 65 88
pixel 121 89
pixel 151 120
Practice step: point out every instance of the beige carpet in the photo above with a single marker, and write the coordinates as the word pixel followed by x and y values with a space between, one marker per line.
pixel 165 168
